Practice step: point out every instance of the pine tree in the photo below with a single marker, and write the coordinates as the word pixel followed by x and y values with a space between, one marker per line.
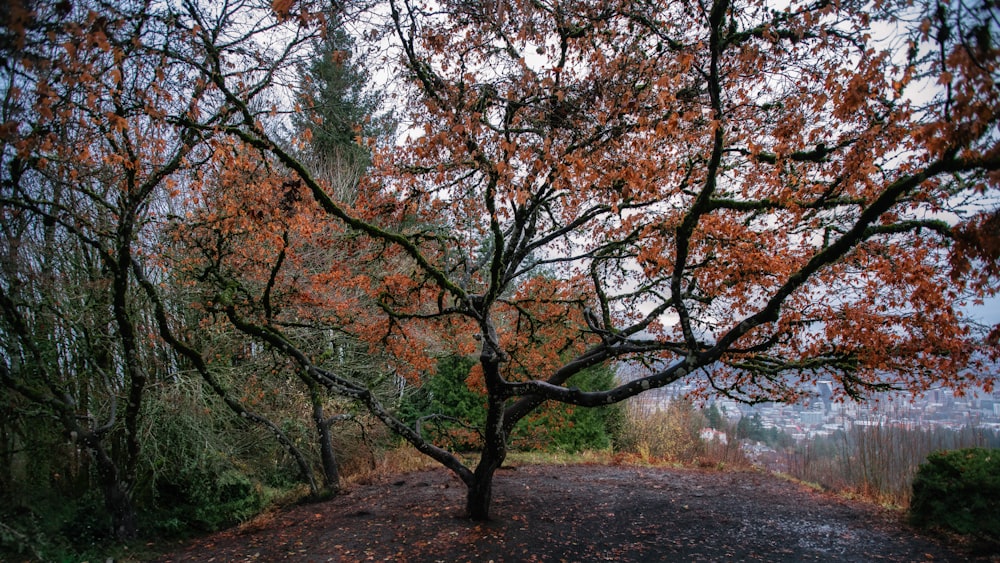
pixel 336 109
pixel 336 113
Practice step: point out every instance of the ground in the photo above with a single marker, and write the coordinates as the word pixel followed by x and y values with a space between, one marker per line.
pixel 580 513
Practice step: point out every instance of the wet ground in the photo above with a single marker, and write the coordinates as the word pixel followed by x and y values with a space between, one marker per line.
pixel 581 513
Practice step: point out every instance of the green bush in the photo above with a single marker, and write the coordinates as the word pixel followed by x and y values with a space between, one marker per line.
pixel 959 490
pixel 55 528
pixel 571 429
pixel 446 408
pixel 451 413
pixel 207 499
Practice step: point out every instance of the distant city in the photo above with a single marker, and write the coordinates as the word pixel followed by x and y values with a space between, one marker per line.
pixel 823 416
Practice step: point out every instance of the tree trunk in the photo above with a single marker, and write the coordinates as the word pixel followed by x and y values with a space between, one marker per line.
pixel 495 444
pixel 331 472
pixel 117 499
pixel 8 445
pixel 480 490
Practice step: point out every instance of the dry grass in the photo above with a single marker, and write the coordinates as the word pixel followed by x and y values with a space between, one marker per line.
pixel 876 463
pixel 667 435
pixel 361 468
pixel 662 438
pixel 671 437
pixel 405 459
pixel 586 457
pixel 394 461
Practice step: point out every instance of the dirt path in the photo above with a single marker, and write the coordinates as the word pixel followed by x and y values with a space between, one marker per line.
pixel 579 513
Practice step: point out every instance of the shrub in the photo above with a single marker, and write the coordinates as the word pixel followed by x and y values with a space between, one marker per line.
pixel 207 498
pixel 959 490
pixel 445 406
pixel 671 434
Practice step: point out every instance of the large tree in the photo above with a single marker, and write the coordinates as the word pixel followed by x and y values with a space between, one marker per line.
pixel 335 111
pixel 85 152
pixel 93 158
pixel 748 195
pixel 337 107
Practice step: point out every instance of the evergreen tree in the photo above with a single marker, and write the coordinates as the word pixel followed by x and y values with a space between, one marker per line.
pixel 715 418
pixel 335 113
pixel 444 408
pixel 447 410
pixel 559 427
pixel 337 110
pixel 750 428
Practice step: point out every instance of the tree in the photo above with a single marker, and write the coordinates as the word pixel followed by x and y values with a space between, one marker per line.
pixel 336 110
pixel 748 195
pixel 699 176
pixel 702 178
pixel 750 428
pixel 84 151
pixel 92 159
pixel 714 417
pixel 252 241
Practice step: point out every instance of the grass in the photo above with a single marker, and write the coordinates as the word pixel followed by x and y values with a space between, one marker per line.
pixel 886 502
pixel 792 479
pixel 586 457
pixel 405 459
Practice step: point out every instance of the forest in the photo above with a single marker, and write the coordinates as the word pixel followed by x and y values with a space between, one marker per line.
pixel 252 247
